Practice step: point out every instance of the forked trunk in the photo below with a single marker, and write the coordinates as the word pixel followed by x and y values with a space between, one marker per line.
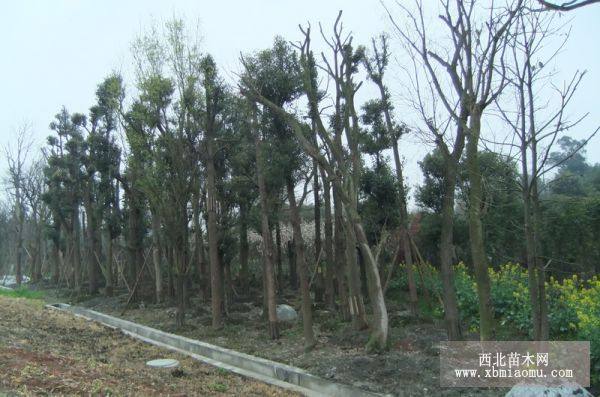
pixel 378 340
pixel 307 321
pixel 478 256
pixel 355 299
pixel 340 257
pixel 451 313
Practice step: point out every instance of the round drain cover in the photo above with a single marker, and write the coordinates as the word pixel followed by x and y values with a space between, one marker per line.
pixel 163 363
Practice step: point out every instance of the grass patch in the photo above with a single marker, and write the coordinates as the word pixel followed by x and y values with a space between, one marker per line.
pixel 218 387
pixel 21 293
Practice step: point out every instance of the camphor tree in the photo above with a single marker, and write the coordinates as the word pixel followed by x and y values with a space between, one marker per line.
pixel 340 67
pixel 163 129
pixel 343 169
pixel 276 74
pixel 376 64
pixel 100 164
pixel 64 178
pixel 104 159
pixel 214 98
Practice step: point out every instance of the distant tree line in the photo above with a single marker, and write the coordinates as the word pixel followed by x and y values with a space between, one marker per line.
pixel 158 186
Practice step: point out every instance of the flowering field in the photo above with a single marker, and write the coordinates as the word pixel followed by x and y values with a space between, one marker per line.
pixel 573 304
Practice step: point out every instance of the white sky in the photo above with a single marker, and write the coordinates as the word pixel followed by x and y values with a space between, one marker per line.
pixel 56 52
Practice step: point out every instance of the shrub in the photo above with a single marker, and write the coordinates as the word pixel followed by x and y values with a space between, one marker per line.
pixel 579 305
pixel 510 296
pixel 573 304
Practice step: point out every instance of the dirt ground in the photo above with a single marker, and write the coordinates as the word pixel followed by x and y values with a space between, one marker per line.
pixel 410 368
pixel 44 352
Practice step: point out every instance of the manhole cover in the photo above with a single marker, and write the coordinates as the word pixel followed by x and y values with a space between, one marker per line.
pixel 163 363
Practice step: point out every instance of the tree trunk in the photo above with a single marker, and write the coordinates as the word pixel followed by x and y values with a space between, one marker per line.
pixel 216 283
pixel 292 265
pixel 541 271
pixel 93 267
pixel 180 253
pixel 55 262
pixel 201 261
pixel 329 265
pixel 180 313
pixel 36 268
pixel 478 256
pixel 340 257
pixel 378 340
pixel 355 299
pixel 109 288
pixel 269 278
pixel 158 292
pixel 404 237
pixel 535 268
pixel 227 284
pixel 19 264
pixel 76 251
pixel 278 256
pixel 41 250
pixel 170 261
pixel 307 321
pixel 244 273
pixel 317 204
pixel 134 238
pixel 403 232
pixel 451 313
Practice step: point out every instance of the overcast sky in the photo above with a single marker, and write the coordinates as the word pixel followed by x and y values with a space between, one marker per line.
pixel 54 53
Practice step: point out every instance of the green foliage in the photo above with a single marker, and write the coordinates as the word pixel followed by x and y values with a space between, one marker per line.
pixel 22 293
pixel 466 294
pixel 573 304
pixel 63 172
pixel 502 208
pixel 276 72
pixel 570 231
pixel 510 295
pixel 376 138
pixel 571 156
pixel 430 193
pixel 568 183
pixel 379 201
pixel 578 314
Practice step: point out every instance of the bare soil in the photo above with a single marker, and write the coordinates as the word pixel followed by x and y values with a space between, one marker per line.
pixel 409 368
pixel 44 352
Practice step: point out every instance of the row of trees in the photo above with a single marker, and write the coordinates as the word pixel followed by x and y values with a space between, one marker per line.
pixel 163 184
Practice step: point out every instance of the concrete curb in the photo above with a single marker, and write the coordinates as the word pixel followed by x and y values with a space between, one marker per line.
pixel 282 375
